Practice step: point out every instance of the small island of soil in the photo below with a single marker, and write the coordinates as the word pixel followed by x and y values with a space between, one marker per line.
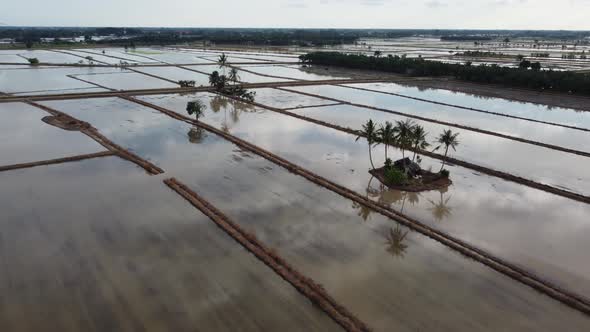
pixel 418 179
pixel 65 122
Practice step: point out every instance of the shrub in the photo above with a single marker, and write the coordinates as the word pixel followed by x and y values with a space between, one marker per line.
pixel 186 84
pixel 33 61
pixel 445 173
pixel 388 163
pixel 395 176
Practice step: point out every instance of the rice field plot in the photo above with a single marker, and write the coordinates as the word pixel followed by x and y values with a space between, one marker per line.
pixel 323 240
pixel 542 164
pixel 465 209
pixel 41 81
pixel 565 116
pixel 99 246
pixel 25 138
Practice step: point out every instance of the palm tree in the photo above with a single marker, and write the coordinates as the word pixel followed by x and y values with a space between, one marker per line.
pixel 403 133
pixel 196 107
pixel 395 242
pixel 233 75
pixel 418 138
pixel 449 140
pixel 214 78
pixel 369 132
pixel 217 81
pixel 387 136
pixel 222 62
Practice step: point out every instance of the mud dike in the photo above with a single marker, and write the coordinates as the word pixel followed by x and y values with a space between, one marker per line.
pixel 67 122
pixel 306 286
pixel 521 275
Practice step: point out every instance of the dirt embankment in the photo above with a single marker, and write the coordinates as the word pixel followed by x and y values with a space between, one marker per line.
pixel 57 161
pixel 515 272
pixel 67 122
pixel 553 99
pixel 306 286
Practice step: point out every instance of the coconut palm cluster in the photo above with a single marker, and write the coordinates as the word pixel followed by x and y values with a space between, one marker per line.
pixel 405 135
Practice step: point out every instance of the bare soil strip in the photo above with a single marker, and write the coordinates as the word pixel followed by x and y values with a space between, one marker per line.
pixel 64 96
pixel 152 75
pixel 555 99
pixel 79 56
pixel 163 64
pixel 193 70
pixel 450 124
pixel 107 55
pixel 448 160
pixel 469 108
pixel 569 298
pixel 93 133
pixel 306 286
pixel 91 83
pixel 266 75
pixel 310 106
pixel 57 161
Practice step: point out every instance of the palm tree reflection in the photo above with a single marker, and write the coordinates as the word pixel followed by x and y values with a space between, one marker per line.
pixel 395 242
pixel 196 135
pixel 218 102
pixel 441 210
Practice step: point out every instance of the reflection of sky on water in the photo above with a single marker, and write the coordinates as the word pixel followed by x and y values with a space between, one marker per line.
pixel 540 164
pixel 524 225
pixel 104 227
pixel 25 138
pixel 329 241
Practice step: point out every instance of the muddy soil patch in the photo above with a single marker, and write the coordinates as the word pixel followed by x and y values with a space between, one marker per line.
pixel 427 181
pixel 65 122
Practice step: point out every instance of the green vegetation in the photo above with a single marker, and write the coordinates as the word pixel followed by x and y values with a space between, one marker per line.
pixel 220 83
pixel 369 132
pixel 448 139
pixel 403 134
pixel 387 136
pixel 480 54
pixel 196 107
pixel 33 61
pixel 563 81
pixel 418 140
pixel 395 176
pixel 186 84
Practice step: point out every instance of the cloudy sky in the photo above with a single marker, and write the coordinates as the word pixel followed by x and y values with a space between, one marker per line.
pixel 474 14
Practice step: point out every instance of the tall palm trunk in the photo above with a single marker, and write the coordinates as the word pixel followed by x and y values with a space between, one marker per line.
pixel 371 157
pixel 386 148
pixel 443 163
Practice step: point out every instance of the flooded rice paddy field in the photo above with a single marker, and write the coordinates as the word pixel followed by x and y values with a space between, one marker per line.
pixel 451 51
pixel 543 164
pixel 98 246
pixel 101 245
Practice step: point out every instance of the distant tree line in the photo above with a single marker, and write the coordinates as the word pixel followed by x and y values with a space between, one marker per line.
pixel 527 75
pixel 484 54
pixel 465 38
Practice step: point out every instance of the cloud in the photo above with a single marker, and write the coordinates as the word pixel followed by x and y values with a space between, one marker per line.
pixel 436 4
pixel 296 4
